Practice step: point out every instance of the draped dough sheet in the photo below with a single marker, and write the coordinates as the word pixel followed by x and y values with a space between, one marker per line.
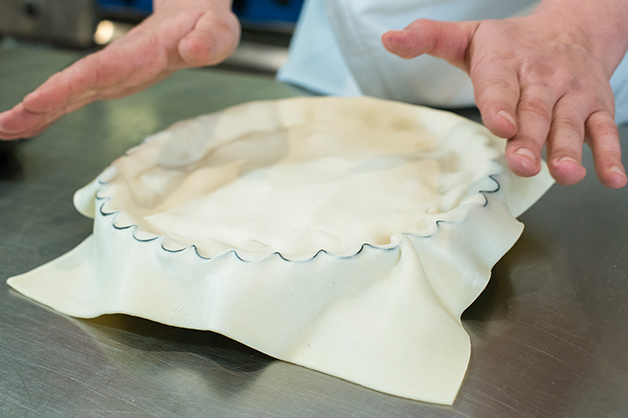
pixel 346 235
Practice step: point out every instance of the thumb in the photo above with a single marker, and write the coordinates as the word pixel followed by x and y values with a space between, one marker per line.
pixel 211 41
pixel 446 40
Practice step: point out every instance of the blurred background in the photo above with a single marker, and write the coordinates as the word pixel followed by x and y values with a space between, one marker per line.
pixel 90 24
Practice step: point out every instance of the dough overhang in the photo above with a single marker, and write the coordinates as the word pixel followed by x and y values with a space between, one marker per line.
pixel 346 235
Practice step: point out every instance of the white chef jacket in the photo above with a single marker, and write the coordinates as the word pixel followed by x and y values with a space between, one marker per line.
pixel 336 50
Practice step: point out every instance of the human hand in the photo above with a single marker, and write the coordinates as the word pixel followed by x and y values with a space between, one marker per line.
pixel 538 81
pixel 179 34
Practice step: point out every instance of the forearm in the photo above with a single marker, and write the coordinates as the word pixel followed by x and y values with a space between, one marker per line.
pixel 219 5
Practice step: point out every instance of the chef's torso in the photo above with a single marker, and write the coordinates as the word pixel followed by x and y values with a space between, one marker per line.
pixel 337 50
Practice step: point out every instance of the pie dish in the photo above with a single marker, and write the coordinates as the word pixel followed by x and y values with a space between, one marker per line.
pixel 346 235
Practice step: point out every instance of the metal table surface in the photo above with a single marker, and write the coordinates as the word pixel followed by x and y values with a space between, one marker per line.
pixel 549 334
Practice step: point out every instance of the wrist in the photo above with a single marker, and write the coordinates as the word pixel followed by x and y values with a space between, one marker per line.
pixel 218 5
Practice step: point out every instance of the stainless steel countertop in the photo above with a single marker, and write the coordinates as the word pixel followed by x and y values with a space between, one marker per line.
pixel 549 334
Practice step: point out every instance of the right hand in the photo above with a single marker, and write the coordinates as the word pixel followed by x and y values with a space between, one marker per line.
pixel 179 34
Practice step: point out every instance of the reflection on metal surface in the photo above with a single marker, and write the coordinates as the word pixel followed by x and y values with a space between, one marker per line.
pixel 127 122
pixel 10 165
pixel 66 22
pixel 258 57
pixel 549 336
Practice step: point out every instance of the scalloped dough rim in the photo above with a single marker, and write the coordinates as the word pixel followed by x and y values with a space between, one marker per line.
pixel 392 245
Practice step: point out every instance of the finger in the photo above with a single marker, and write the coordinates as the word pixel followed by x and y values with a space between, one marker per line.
pixel 20 135
pixel 22 123
pixel 121 66
pixel 31 133
pixel 210 42
pixel 604 142
pixel 72 84
pixel 534 114
pixel 446 40
pixel 565 140
pixel 15 120
pixel 496 90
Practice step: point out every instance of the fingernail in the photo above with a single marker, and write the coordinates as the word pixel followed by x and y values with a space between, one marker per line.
pixel 618 178
pixel 508 117
pixel 524 152
pixel 527 162
pixel 567 159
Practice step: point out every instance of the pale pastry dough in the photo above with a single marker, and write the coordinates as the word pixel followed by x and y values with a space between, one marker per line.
pixel 346 235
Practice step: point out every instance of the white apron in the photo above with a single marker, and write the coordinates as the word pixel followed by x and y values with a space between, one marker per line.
pixel 337 50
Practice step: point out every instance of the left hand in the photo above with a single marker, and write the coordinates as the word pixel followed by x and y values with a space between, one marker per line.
pixel 537 82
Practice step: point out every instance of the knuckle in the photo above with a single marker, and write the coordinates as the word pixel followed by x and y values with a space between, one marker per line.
pixel 536 106
pixel 601 130
pixel 498 83
pixel 564 123
pixel 493 94
pixel 601 122
pixel 494 90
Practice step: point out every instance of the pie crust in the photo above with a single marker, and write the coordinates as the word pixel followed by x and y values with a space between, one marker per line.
pixel 346 235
